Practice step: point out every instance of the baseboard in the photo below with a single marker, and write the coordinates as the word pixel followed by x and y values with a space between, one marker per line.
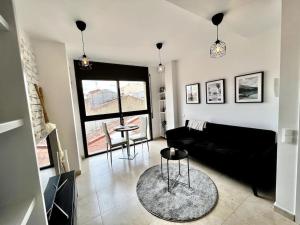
pixel 284 213
pixel 159 138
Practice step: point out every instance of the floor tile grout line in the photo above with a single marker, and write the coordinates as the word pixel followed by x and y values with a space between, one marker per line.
pixel 236 209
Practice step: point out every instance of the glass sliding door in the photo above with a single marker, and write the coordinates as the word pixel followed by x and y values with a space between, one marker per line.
pixel 111 99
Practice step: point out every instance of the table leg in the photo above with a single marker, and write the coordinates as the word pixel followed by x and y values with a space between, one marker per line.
pixel 188 162
pixel 129 157
pixel 179 166
pixel 127 144
pixel 168 176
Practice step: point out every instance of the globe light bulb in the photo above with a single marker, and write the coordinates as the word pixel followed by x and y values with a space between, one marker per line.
pixel 160 68
pixel 218 49
pixel 85 61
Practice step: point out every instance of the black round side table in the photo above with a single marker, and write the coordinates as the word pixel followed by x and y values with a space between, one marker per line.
pixel 177 155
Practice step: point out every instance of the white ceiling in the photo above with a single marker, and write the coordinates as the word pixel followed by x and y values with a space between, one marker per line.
pixel 127 30
pixel 244 17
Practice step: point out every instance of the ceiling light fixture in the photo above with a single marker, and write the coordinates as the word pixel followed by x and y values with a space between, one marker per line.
pixel 84 62
pixel 161 67
pixel 218 48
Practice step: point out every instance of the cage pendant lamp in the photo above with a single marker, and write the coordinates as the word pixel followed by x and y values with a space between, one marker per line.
pixel 84 61
pixel 160 67
pixel 218 48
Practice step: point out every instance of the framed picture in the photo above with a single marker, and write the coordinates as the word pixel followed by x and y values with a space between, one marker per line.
pixel 215 92
pixel 249 88
pixel 192 93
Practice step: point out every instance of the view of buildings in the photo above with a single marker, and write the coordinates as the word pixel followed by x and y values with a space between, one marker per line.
pixel 104 100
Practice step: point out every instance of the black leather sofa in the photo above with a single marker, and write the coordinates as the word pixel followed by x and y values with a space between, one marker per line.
pixel 246 152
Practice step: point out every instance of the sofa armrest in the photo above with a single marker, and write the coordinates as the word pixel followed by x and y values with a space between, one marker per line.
pixel 176 133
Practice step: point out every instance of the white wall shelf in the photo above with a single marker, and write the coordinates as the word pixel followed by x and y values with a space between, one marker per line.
pixel 17 214
pixel 17 152
pixel 3 24
pixel 7 126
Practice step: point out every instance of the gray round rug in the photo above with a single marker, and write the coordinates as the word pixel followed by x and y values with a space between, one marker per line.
pixel 181 203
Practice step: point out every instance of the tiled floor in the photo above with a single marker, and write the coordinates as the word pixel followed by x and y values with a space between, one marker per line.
pixel 107 195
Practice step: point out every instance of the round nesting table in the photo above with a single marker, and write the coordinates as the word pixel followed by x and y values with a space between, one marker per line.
pixel 178 154
pixel 126 129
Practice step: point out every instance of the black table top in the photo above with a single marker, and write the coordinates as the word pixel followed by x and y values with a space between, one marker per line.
pixel 126 128
pixel 178 154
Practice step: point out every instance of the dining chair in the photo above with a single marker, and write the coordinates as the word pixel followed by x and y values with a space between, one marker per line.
pixel 142 135
pixel 112 142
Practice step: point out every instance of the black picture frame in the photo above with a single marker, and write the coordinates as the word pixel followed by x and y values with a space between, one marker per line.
pixel 258 91
pixel 196 87
pixel 222 88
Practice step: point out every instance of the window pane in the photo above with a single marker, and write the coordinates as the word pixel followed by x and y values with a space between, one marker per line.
pixel 136 120
pixel 133 95
pixel 43 154
pixel 100 97
pixel 95 136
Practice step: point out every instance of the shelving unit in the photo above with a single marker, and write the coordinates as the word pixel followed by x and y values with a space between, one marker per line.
pixel 8 126
pixel 21 196
pixel 21 212
pixel 162 114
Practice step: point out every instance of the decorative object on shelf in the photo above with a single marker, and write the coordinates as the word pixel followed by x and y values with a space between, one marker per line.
pixel 172 151
pixel 183 204
pixel 39 91
pixel 164 124
pixel 192 92
pixel 162 89
pixel 84 63
pixel 218 48
pixel 61 154
pixel 215 92
pixel 249 88
pixel 161 67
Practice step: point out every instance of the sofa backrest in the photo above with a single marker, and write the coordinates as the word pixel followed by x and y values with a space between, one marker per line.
pixel 234 135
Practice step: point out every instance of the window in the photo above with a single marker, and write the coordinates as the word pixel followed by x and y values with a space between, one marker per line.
pixel 100 97
pixel 109 93
pixel 133 95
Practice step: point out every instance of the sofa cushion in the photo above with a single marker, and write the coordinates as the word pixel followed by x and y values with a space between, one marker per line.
pixel 183 142
pixel 239 137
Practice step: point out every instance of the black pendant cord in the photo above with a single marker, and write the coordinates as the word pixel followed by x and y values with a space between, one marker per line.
pixel 82 43
pixel 217 33
pixel 159 56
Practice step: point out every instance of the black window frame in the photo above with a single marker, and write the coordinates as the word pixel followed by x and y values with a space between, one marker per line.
pixel 112 72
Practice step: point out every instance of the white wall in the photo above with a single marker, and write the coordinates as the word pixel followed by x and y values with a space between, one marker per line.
pixel 288 187
pixel 54 79
pixel 78 131
pixel 31 77
pixel 155 82
pixel 171 95
pixel 260 53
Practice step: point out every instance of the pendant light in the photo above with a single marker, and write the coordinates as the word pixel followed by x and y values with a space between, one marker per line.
pixel 218 48
pixel 84 61
pixel 161 67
